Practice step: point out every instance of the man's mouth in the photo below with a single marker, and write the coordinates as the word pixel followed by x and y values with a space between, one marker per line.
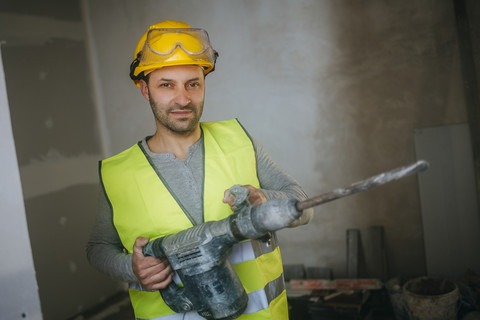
pixel 181 113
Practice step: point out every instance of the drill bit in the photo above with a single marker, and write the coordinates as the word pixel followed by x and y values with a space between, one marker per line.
pixel 363 185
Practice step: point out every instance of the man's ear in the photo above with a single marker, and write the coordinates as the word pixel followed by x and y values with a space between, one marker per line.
pixel 144 89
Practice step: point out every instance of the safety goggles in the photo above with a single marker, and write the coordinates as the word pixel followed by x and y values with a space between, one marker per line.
pixel 163 44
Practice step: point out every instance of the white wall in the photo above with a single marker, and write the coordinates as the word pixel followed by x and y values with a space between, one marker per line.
pixel 450 212
pixel 332 89
pixel 19 289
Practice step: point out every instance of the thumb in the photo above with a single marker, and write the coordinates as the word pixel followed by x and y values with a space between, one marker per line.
pixel 140 242
pixel 227 196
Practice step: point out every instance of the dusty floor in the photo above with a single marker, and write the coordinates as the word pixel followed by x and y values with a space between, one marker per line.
pixel 378 308
pixel 116 308
pixel 122 311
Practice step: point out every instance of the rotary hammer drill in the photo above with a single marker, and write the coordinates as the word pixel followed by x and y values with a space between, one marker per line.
pixel 199 254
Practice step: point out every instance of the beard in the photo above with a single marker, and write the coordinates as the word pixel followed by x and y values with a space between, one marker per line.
pixel 181 126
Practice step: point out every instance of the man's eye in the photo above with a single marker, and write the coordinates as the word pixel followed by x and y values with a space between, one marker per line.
pixel 194 84
pixel 165 85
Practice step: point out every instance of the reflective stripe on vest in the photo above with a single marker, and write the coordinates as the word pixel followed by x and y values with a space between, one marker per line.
pixel 257 301
pixel 132 184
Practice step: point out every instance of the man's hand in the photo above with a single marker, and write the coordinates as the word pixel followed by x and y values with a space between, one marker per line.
pixel 152 272
pixel 255 197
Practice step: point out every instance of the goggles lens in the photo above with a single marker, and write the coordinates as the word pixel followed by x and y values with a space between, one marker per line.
pixel 163 44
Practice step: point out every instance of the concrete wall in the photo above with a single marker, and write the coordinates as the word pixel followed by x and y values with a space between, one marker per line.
pixel 333 89
pixel 57 144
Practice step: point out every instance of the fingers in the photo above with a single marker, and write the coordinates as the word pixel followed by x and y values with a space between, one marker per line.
pixel 256 196
pixel 229 199
pixel 140 242
pixel 153 273
pixel 162 284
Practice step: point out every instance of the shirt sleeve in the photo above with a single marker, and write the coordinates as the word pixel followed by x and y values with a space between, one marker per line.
pixel 104 249
pixel 275 182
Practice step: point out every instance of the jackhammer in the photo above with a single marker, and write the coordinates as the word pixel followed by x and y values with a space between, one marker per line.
pixel 199 254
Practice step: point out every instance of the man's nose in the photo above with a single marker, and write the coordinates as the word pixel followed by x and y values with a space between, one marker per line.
pixel 182 97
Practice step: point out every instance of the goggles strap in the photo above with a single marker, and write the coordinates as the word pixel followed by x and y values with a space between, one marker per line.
pixel 133 66
pixel 214 62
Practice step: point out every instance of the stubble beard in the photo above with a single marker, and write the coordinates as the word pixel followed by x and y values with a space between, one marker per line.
pixel 180 126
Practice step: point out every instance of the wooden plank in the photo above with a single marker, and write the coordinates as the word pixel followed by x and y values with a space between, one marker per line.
pixel 375 254
pixel 336 284
pixel 353 245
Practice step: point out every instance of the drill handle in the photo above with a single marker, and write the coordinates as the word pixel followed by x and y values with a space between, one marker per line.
pixel 154 249
pixel 173 295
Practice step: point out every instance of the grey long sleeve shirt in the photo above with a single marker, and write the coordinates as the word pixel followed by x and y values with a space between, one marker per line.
pixel 185 177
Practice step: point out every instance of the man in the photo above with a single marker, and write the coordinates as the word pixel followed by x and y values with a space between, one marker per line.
pixel 178 178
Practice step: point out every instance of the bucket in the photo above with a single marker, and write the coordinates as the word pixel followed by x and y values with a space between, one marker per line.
pixel 429 298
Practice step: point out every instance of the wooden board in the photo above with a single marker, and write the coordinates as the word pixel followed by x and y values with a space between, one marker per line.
pixel 336 284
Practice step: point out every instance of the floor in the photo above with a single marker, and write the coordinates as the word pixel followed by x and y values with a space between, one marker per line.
pixel 123 311
pixel 377 307
pixel 117 307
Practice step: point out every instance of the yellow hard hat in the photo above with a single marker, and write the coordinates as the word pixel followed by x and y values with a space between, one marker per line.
pixel 172 43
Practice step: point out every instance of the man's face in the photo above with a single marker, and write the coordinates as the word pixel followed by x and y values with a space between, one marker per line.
pixel 176 95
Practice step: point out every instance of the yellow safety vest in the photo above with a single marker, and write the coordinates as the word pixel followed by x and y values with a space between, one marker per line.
pixel 143 205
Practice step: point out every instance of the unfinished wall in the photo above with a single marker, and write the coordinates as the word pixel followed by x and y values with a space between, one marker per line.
pixel 333 89
pixel 57 144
